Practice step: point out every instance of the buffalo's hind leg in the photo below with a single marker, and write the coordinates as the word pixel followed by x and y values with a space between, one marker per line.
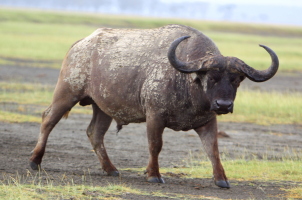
pixel 62 102
pixel 96 131
pixel 208 136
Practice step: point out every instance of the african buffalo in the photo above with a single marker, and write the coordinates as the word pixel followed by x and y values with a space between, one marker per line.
pixel 134 76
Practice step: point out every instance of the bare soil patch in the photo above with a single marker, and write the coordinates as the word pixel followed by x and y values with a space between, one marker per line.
pixel 69 154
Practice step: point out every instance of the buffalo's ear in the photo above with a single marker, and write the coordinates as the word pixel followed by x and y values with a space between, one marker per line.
pixel 241 78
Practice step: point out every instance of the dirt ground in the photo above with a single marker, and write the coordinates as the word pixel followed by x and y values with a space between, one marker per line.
pixel 69 155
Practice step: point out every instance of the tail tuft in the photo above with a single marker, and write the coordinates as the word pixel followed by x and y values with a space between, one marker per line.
pixel 118 127
pixel 66 114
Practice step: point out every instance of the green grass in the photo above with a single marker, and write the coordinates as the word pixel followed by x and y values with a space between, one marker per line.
pixel 240 170
pixel 246 48
pixel 294 193
pixel 97 20
pixel 266 108
pixel 14 117
pixel 253 171
pixel 117 191
pixel 43 186
pixel 44 35
pixel 39 41
pixel 39 186
pixel 15 190
pixel 26 93
pixel 25 102
pixel 247 172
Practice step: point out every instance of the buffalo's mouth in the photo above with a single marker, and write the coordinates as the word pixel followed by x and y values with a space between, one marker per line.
pixel 222 107
pixel 221 112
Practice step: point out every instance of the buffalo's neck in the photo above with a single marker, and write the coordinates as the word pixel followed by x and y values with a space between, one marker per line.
pixel 185 104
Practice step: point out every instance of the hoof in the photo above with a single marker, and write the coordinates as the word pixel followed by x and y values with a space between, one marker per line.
pixel 155 180
pixel 34 166
pixel 223 184
pixel 113 173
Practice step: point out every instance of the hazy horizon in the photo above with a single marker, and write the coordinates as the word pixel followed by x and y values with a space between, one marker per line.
pixel 248 11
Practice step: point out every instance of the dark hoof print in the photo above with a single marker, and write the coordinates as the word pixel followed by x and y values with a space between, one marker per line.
pixel 114 173
pixel 223 184
pixel 155 180
pixel 34 166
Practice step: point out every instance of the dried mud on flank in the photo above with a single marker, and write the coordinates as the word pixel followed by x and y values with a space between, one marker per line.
pixel 69 156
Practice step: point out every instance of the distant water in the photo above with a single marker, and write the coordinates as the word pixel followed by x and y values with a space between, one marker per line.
pixel 206 10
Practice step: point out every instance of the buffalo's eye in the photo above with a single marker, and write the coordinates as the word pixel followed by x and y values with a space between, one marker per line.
pixel 211 79
pixel 214 78
pixel 236 80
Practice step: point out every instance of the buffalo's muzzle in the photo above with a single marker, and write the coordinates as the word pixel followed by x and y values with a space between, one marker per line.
pixel 222 106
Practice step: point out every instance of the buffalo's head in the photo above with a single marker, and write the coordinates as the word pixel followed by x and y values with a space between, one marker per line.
pixel 220 76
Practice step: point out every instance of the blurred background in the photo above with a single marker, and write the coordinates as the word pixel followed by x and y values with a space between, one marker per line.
pixel 256 11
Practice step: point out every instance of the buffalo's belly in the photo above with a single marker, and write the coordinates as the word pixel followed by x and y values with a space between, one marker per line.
pixel 125 115
pixel 123 111
pixel 187 122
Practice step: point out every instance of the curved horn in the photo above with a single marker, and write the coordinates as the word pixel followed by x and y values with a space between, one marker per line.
pixel 177 64
pixel 260 76
pixel 203 64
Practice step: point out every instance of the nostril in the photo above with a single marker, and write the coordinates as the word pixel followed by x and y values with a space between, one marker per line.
pixel 224 104
pixel 217 103
pixel 230 108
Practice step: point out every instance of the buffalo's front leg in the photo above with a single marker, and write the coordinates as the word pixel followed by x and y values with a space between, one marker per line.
pixel 208 136
pixel 96 131
pixel 155 130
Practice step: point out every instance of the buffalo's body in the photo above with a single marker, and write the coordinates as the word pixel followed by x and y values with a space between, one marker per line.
pixel 127 76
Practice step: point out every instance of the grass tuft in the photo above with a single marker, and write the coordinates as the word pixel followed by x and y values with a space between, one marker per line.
pixel 294 193
pixel 34 186
pixel 12 117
